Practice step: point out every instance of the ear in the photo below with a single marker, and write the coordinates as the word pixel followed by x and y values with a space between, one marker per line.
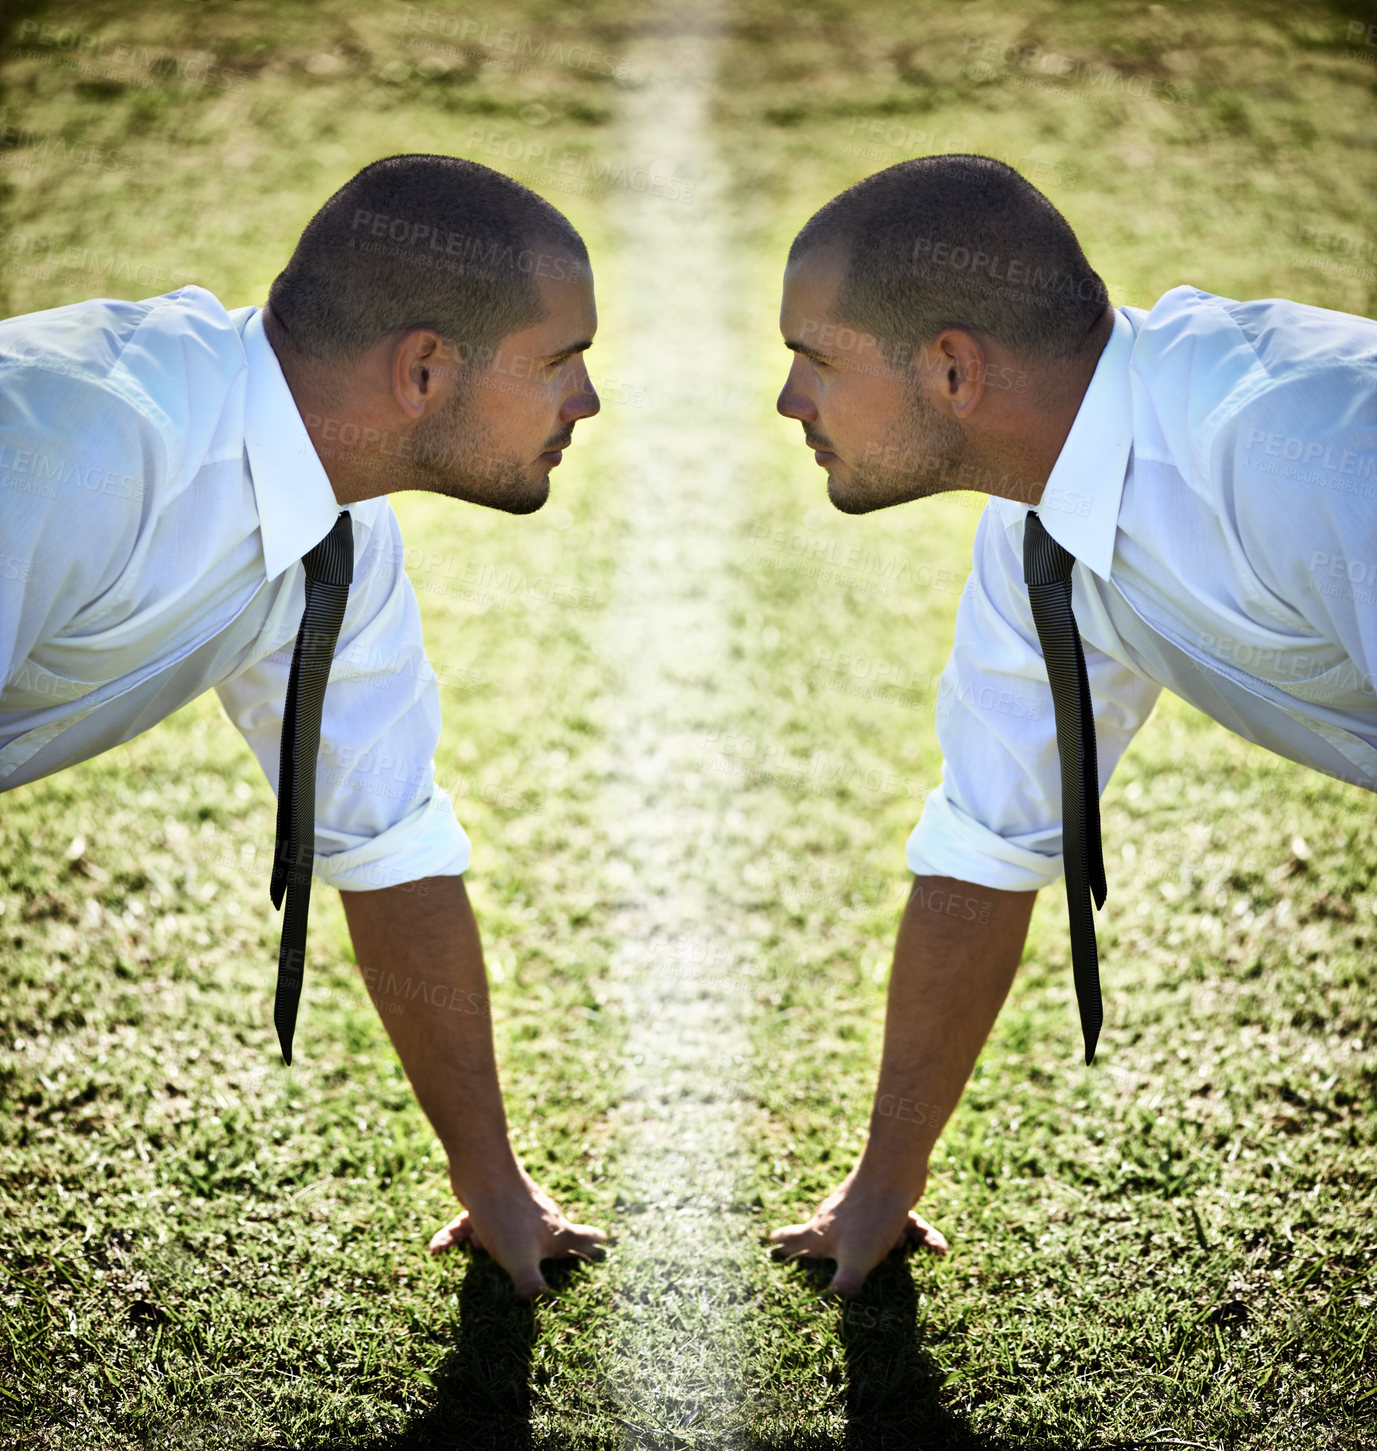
pixel 956 362
pixel 425 370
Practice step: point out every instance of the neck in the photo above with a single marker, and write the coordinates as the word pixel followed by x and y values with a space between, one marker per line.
pixel 1020 458
pixel 324 410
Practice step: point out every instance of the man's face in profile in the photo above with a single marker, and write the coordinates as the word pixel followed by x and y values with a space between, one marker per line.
pixel 498 436
pixel 875 430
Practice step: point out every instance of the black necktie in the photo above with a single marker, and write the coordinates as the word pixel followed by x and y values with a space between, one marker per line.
pixel 329 570
pixel 1047 570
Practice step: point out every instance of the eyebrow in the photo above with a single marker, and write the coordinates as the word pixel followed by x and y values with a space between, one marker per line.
pixel 807 352
pixel 579 347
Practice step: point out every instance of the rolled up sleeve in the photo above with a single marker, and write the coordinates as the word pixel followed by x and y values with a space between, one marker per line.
pixel 996 818
pixel 381 817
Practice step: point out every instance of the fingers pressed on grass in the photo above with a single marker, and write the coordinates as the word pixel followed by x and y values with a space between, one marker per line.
pixel 530 1284
pixel 588 1253
pixel 791 1252
pixel 920 1234
pixel 583 1235
pixel 457 1231
pixel 802 1242
pixel 795 1239
pixel 788 1256
pixel 848 1280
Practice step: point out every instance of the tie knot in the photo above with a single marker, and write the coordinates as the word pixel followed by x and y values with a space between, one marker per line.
pixel 332 560
pixel 1044 560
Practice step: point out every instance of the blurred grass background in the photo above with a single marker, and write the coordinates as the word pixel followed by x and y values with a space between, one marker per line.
pixel 1174 1247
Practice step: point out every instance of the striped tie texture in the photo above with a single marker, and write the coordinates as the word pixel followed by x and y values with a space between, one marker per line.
pixel 1047 570
pixel 329 570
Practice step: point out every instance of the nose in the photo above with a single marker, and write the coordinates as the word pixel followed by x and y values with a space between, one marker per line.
pixel 793 400
pixel 583 402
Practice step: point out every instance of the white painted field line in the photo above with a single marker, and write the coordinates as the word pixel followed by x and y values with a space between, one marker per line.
pixel 683 1234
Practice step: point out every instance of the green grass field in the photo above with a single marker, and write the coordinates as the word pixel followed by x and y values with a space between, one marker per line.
pixel 688 725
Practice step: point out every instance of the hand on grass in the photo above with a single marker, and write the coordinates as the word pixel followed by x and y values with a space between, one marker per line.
pixel 857 1226
pixel 519 1226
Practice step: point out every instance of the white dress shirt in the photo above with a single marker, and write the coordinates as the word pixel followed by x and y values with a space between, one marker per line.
pixel 1218 490
pixel 158 489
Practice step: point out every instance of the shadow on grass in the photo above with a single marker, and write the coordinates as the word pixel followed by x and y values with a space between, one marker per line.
pixel 482 1396
pixel 893 1382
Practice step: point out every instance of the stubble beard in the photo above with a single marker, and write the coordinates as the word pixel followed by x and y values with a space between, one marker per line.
pixel 451 455
pixel 931 446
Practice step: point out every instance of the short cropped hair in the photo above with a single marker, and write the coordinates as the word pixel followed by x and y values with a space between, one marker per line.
pixel 957 241
pixel 422 241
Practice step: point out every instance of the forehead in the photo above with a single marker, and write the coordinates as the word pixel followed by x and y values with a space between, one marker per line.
pixel 811 285
pixel 565 285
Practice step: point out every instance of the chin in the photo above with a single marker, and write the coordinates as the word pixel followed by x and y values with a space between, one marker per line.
pixel 845 500
pixel 529 497
pixel 519 494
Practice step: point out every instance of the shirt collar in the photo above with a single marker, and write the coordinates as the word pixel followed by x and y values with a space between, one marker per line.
pixel 1080 504
pixel 297 507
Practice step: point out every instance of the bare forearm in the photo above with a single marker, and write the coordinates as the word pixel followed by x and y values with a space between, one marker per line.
pixel 420 954
pixel 422 960
pixel 955 958
pixel 954 961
